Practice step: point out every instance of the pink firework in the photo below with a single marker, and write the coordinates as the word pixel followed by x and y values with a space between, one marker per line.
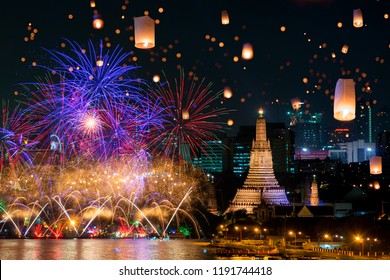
pixel 190 117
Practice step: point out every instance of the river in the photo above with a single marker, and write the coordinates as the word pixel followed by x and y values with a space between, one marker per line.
pixel 105 249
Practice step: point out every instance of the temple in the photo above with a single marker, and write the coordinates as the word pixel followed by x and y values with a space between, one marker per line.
pixel 260 185
pixel 314 199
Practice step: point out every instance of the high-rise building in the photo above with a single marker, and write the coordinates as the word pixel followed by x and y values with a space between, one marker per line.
pixel 383 120
pixel 364 127
pixel 260 186
pixel 358 151
pixel 242 145
pixel 308 131
pixel 212 158
pixel 383 150
pixel 339 135
pixel 215 156
pixel 282 147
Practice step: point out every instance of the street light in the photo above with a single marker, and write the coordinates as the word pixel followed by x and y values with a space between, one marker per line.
pixel 370 242
pixel 240 229
pixel 360 240
pixel 256 231
pixel 291 233
pixel 224 229
pixel 327 236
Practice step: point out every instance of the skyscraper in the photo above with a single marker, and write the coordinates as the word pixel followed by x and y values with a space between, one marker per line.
pixel 308 131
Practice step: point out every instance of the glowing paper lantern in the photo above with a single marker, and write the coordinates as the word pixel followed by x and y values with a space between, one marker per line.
pixel 144 32
pixel 97 22
pixel 376 165
pixel 224 17
pixel 185 115
pixel 230 122
pixel 357 18
pixel 156 78
pixel 247 51
pixel 227 92
pixel 344 100
pixel 344 49
pixel 99 62
pixel 296 103
pixel 377 186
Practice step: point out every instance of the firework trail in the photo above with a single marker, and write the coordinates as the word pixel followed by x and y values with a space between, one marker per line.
pixel 190 117
pixel 92 102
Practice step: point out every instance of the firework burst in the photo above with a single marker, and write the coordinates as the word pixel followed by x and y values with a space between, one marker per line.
pixel 97 110
pixel 97 131
pixel 190 116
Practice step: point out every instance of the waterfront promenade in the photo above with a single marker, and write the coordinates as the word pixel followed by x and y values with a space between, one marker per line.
pixel 258 250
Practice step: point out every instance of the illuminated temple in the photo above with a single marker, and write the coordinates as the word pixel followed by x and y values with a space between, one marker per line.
pixel 260 186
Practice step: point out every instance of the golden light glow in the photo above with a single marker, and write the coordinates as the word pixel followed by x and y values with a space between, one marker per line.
pixel 345 100
pixel 99 63
pixel 224 17
pixel 344 49
pixel 227 92
pixel 247 51
pixel 186 115
pixel 97 22
pixel 144 33
pixel 357 18
pixel 376 165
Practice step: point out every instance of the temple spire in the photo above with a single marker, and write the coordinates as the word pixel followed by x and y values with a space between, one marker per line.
pixel 314 199
pixel 261 132
pixel 260 185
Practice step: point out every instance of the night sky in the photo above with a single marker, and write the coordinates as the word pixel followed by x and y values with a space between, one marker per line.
pixel 292 40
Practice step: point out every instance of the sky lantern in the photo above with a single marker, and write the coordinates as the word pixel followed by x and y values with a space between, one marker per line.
pixel 376 165
pixel 344 100
pixel 156 78
pixel 144 32
pixel 296 103
pixel 345 48
pixel 377 186
pixel 225 17
pixel 97 22
pixel 247 51
pixel 227 92
pixel 357 18
pixel 230 122
pixel 185 115
pixel 99 62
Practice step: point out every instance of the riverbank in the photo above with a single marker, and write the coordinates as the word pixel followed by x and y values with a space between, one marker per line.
pixel 258 250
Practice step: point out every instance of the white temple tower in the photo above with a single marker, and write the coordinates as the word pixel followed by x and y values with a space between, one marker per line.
pixel 260 185
pixel 314 199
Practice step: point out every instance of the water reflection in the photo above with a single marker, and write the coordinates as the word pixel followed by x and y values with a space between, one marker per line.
pixel 104 249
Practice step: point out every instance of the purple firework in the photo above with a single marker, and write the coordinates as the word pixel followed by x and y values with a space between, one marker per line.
pixel 92 103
